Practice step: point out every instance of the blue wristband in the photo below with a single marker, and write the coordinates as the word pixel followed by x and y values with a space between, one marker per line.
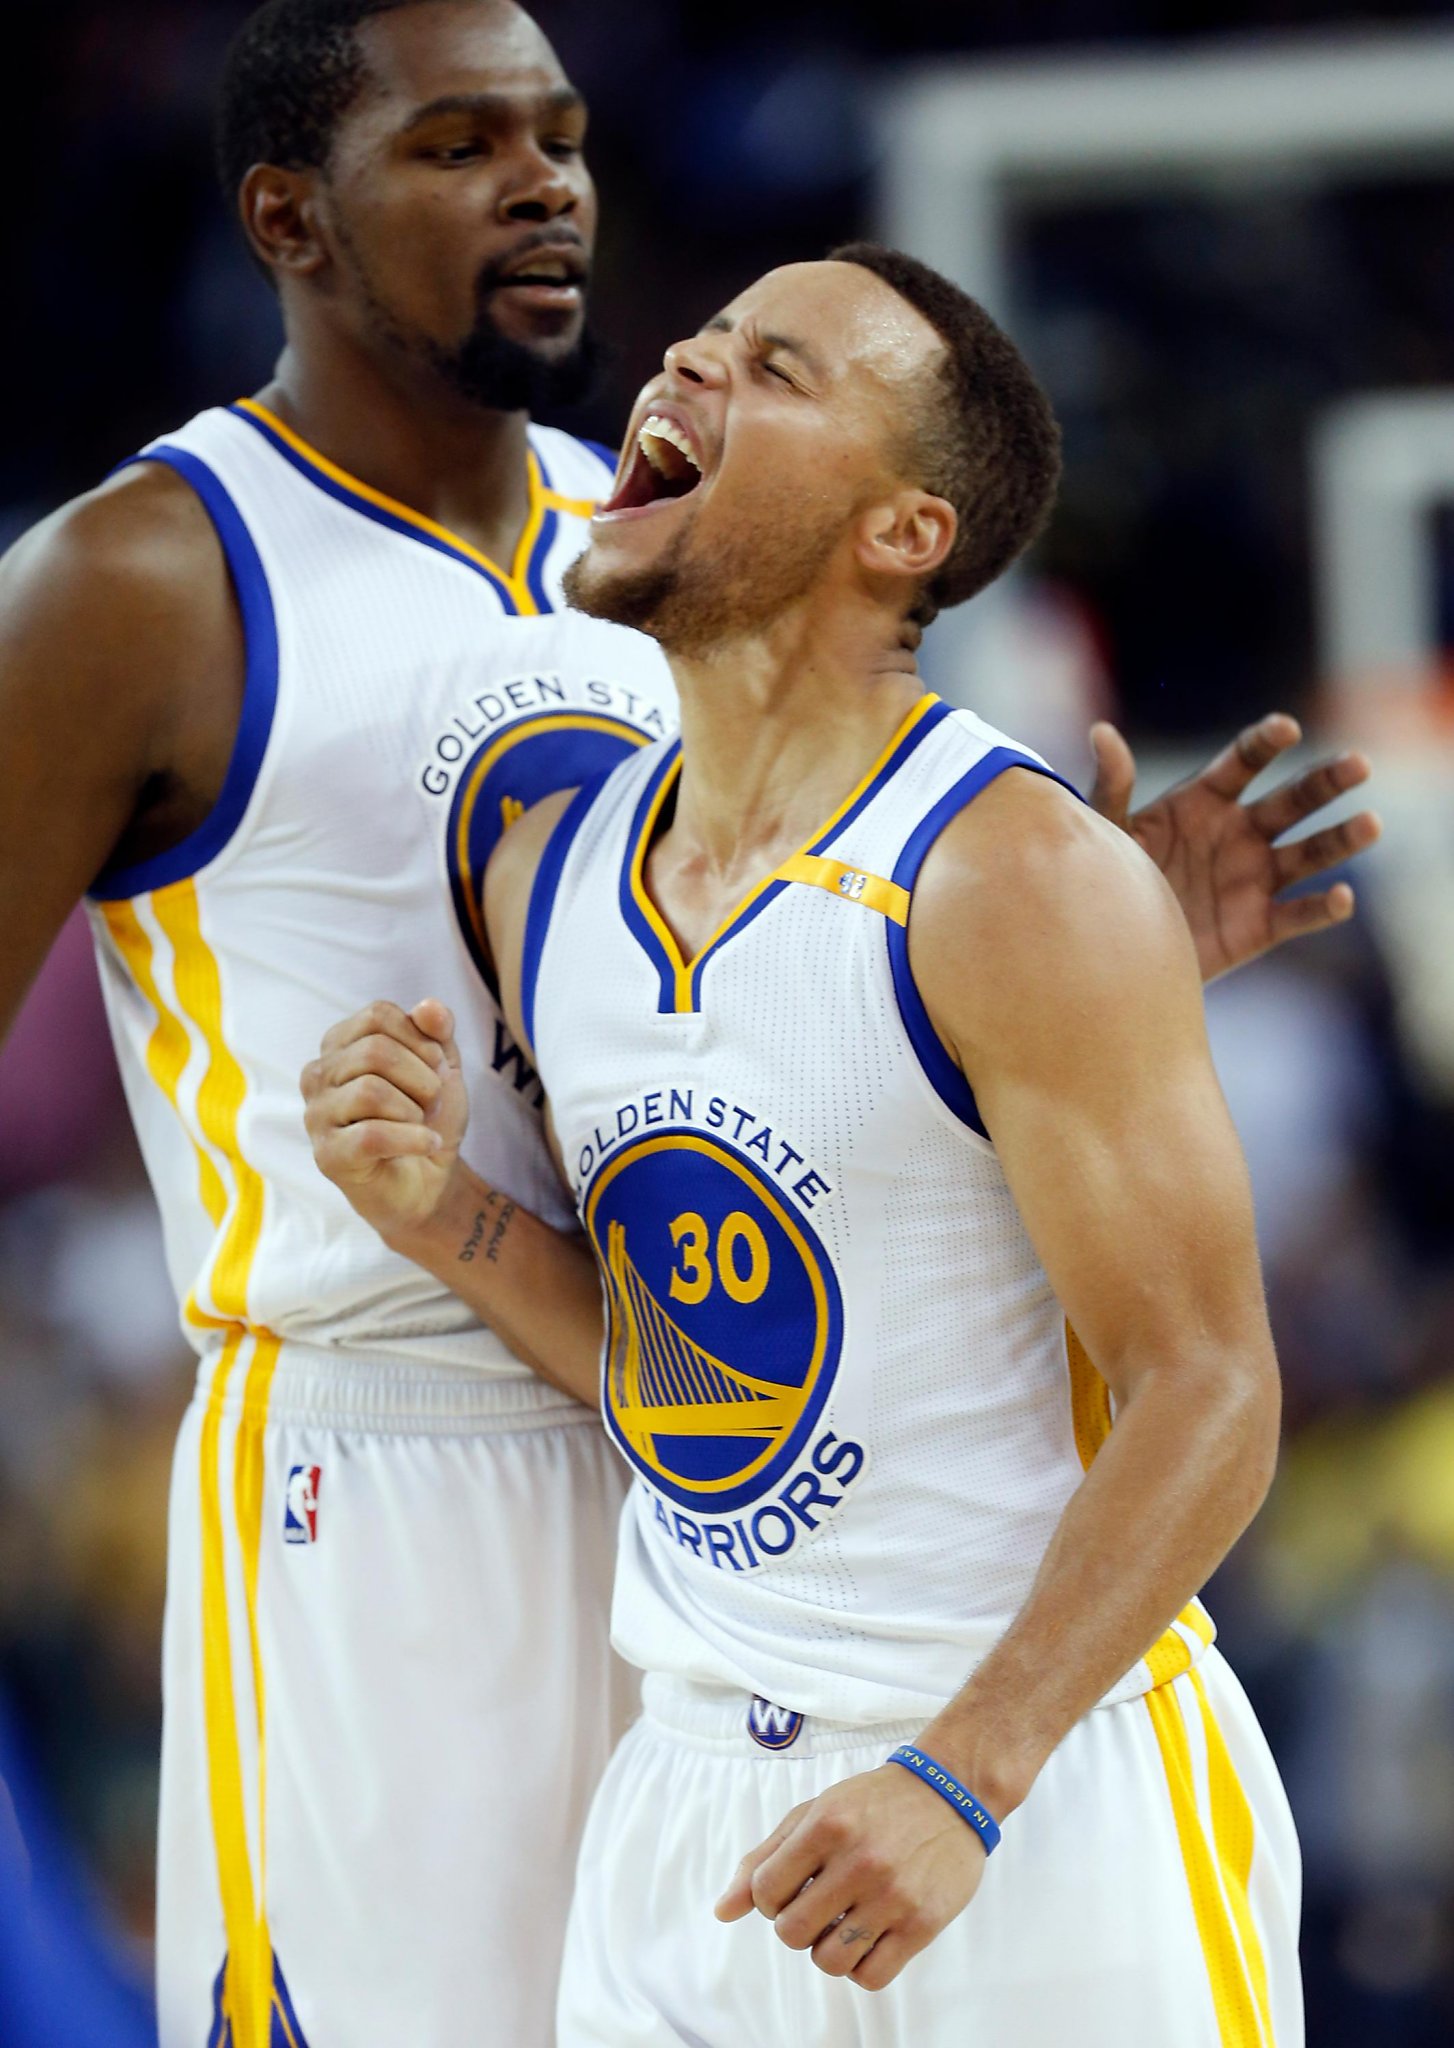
pixel 962 1800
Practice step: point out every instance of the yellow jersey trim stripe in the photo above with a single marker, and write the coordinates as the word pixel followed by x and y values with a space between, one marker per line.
pixel 1090 1414
pixel 686 973
pixel 168 1049
pixel 1238 2023
pixel 196 981
pixel 579 508
pixel 850 884
pixel 220 1094
pixel 1090 1400
pixel 514 579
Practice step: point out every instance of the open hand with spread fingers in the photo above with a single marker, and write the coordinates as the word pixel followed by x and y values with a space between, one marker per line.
pixel 864 1876
pixel 1221 856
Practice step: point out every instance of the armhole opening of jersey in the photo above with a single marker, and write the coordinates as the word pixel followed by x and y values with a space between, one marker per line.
pixel 542 899
pixel 942 1074
pixel 259 692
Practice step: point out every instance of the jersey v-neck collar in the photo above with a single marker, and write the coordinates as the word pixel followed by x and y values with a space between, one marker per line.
pixel 680 978
pixel 520 588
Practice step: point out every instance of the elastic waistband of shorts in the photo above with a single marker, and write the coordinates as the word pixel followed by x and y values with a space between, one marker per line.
pixel 375 1391
pixel 719 1719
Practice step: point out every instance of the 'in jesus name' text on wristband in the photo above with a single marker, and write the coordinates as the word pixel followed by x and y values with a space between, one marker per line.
pixel 959 1796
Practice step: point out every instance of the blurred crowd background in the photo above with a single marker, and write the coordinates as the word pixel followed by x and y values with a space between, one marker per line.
pixel 1191 340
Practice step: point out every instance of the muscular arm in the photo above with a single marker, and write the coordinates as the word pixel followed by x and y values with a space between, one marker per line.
pixel 1057 969
pixel 121 665
pixel 387 1114
pixel 1086 1048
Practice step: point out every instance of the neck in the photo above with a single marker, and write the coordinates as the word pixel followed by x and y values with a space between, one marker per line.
pixel 778 726
pixel 403 432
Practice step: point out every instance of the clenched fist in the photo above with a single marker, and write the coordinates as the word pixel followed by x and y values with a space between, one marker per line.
pixel 387 1111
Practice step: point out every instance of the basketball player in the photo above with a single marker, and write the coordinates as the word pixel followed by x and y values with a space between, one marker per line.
pixel 878 1070
pixel 270 695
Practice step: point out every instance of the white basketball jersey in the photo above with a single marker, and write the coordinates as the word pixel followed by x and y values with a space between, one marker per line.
pixel 835 1364
pixel 405 700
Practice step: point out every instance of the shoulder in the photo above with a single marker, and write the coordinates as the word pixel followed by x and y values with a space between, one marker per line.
pixel 141 543
pixel 1029 907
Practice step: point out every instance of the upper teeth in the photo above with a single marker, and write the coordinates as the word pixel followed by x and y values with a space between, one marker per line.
pixel 653 429
pixel 545 266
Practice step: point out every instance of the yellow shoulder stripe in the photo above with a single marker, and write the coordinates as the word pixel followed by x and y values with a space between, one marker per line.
pixel 852 884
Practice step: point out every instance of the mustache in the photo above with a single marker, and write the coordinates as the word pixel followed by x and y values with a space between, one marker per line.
pixel 547 241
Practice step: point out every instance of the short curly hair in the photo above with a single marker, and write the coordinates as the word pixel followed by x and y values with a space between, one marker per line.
pixel 986 438
pixel 293 68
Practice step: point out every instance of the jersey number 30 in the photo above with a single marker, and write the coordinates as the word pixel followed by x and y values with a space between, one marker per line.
pixel 740 1244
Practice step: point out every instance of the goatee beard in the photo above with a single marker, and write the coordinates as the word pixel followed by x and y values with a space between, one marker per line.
pixel 490 370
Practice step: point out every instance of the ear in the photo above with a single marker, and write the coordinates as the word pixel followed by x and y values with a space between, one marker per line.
pixel 908 536
pixel 280 217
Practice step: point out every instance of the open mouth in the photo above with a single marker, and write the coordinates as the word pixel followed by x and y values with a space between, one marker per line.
pixel 547 276
pixel 664 466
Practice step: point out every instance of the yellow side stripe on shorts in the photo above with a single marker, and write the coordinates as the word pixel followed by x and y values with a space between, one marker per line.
pixel 168 1049
pixel 851 883
pixel 1233 1833
pixel 1237 2020
pixel 249 1950
pixel 248 1488
pixel 1172 1654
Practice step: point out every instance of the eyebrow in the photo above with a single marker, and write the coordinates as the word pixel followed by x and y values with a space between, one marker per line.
pixel 724 324
pixel 564 99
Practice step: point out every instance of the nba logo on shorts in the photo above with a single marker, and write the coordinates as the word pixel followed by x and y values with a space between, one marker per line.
pixel 300 1509
pixel 772 1727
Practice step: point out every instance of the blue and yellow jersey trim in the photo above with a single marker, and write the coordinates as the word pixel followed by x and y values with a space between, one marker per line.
pixel 259 691
pixel 934 1058
pixel 520 587
pixel 542 898
pixel 680 978
pixel 504 781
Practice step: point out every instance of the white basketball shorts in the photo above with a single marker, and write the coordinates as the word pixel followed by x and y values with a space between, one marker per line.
pixel 389 1696
pixel 1145 1895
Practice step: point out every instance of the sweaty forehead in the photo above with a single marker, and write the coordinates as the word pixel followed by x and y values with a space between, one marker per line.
pixel 854 322
pixel 445 47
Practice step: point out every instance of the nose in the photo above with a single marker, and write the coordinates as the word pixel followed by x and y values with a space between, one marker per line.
pixel 702 360
pixel 540 187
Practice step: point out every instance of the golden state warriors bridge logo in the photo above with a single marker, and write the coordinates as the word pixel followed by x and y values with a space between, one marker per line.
pixel 726 1327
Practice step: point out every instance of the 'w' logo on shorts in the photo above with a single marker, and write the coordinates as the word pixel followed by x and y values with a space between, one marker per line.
pixel 773 1727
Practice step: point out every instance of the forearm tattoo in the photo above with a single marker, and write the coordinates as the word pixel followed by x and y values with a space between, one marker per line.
pixel 495 1220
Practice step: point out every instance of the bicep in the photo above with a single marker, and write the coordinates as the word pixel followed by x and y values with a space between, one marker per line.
pixel 1126 1170
pixel 1077 1017
pixel 71 770
pixel 95 619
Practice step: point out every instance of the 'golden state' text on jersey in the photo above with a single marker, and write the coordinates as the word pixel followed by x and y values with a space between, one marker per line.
pixel 852 1405
pixel 405 700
